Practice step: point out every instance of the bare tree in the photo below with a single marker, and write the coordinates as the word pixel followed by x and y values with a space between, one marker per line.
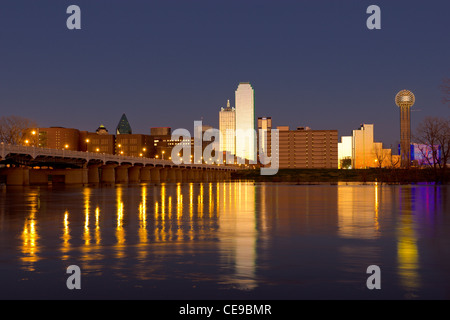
pixel 434 135
pixel 13 129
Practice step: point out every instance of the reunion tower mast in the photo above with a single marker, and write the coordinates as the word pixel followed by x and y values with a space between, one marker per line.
pixel 405 100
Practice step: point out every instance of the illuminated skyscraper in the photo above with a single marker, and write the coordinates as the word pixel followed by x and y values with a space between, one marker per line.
pixel 227 127
pixel 264 125
pixel 405 100
pixel 124 126
pixel 245 122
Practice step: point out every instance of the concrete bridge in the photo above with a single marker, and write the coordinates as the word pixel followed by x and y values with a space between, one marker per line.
pixel 33 165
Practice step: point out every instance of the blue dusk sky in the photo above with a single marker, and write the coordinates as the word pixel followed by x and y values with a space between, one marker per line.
pixel 171 62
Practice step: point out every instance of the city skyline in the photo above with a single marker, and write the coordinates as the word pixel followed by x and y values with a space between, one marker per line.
pixel 314 63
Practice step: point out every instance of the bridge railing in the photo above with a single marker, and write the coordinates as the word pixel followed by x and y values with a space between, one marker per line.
pixel 34 152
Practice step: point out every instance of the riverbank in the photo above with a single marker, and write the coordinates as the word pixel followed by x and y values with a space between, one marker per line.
pixel 342 175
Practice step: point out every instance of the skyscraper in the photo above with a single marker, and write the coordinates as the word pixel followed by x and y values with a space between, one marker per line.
pixel 405 100
pixel 227 127
pixel 124 126
pixel 264 125
pixel 245 122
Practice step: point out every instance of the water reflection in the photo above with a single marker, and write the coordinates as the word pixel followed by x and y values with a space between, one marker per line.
pixel 235 235
pixel 238 235
pixel 358 208
pixel 65 247
pixel 120 230
pixel 30 236
pixel 407 252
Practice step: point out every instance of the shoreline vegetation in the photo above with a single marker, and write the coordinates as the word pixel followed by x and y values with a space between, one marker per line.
pixel 380 175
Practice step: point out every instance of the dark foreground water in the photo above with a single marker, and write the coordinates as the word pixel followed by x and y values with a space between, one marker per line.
pixel 225 241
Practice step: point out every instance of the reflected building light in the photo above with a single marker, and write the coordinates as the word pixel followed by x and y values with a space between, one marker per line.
pixel 407 251
pixel 86 234
pixel 191 200
pixel 163 201
pixel 179 202
pixel 238 236
pixel 191 210
pixel 357 211
pixel 143 236
pixel 66 236
pixel 200 201
pixel 120 232
pixel 179 211
pixel 211 200
pixel 97 225
pixel 377 206
pixel 156 228
pixel 30 236
pixel 169 213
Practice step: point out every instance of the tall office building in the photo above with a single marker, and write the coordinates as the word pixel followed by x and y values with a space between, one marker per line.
pixel 264 126
pixel 305 148
pixel 227 127
pixel 245 122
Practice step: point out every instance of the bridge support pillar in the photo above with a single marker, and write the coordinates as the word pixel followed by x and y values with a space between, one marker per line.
pixel 145 174
pixel 121 173
pixel 171 175
pixel 178 174
pixel 134 174
pixel 108 175
pixel 205 176
pixel 190 176
pixel 198 173
pixel 17 176
pixel 93 174
pixel 156 175
pixel 184 176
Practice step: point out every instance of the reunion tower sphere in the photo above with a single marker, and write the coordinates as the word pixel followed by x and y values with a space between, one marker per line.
pixel 405 98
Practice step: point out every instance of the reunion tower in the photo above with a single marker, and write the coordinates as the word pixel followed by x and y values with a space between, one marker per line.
pixel 405 100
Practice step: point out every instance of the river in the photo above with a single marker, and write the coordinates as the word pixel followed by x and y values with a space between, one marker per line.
pixel 225 240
